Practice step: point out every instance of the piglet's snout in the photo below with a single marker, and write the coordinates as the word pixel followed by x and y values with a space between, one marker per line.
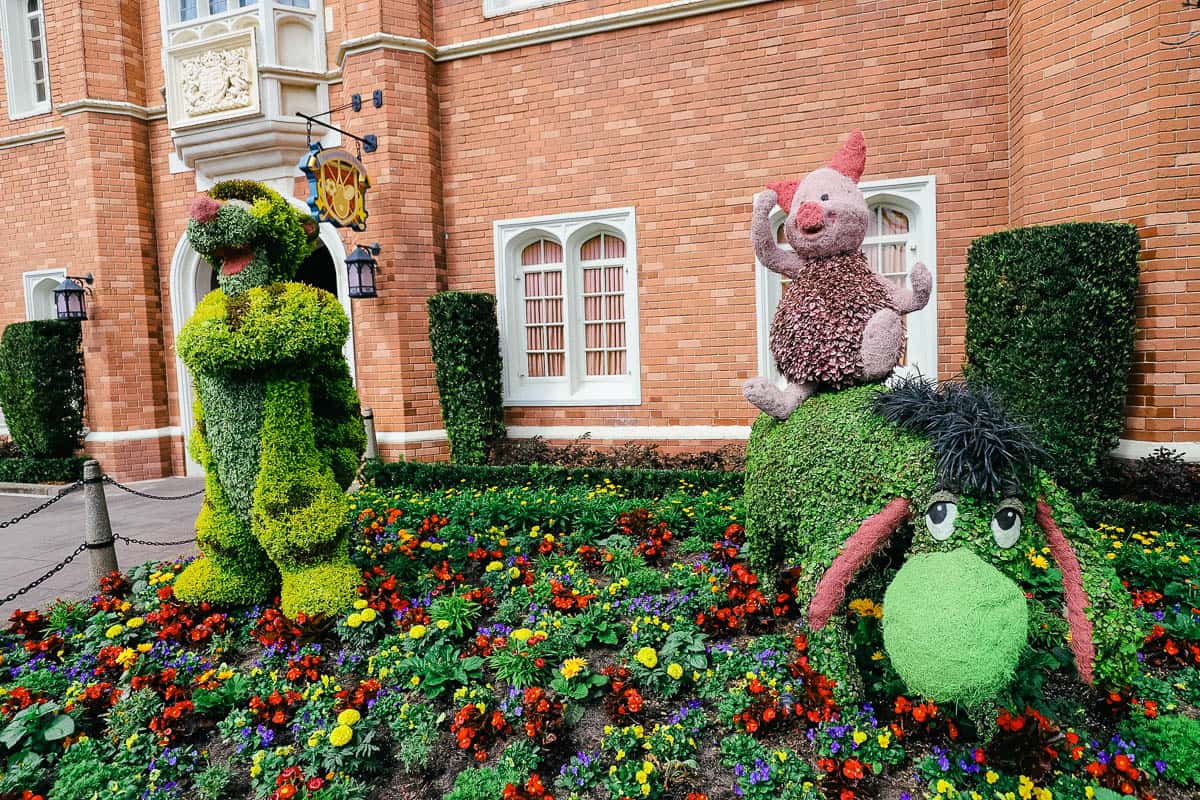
pixel 810 217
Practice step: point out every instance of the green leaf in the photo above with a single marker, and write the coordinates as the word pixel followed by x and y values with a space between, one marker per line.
pixel 62 727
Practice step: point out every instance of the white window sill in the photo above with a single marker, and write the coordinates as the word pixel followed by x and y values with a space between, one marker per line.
pixel 38 110
pixel 591 396
pixel 498 8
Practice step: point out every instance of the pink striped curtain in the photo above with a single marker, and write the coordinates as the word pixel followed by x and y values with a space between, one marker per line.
pixel 545 337
pixel 604 305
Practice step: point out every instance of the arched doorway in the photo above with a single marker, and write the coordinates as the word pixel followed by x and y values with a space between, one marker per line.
pixel 192 278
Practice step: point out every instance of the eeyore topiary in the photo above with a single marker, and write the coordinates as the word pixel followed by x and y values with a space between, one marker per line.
pixel 942 480
pixel 278 430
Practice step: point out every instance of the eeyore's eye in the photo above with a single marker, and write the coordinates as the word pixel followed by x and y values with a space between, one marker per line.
pixel 825 197
pixel 940 516
pixel 1006 523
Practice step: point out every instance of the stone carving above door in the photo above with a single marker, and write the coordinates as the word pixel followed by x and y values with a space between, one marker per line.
pixel 212 80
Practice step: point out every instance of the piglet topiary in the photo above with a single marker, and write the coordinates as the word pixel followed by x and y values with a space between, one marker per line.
pixel 838 323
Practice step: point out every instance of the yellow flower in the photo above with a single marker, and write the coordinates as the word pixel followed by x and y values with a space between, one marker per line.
pixel 1185 559
pixel 349 717
pixel 354 620
pixel 360 604
pixel 860 737
pixel 415 680
pixel 572 667
pixel 341 736
pixel 1025 787
pixel 369 615
pixel 442 624
pixel 146 647
pixel 514 573
pixel 647 657
pixel 991 777
pixel 1089 792
pixel 522 634
pixel 114 631
pixel 133 623
pixel 493 566
pixel 884 740
pixel 417 631
pixel 944 786
pixel 675 671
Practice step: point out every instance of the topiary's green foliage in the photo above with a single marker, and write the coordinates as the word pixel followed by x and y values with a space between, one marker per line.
pixel 1170 738
pixel 423 476
pixel 813 480
pixel 465 340
pixel 278 427
pixel 955 627
pixel 41 387
pixel 1050 326
pixel 41 470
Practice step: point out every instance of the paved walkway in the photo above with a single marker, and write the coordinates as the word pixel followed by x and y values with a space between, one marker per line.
pixel 28 549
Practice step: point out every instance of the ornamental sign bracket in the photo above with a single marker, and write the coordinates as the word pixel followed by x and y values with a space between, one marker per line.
pixel 337 180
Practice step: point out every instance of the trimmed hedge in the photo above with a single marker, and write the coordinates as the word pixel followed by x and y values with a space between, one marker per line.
pixel 41 386
pixel 1138 516
pixel 1050 326
pixel 424 477
pixel 465 340
pixel 41 470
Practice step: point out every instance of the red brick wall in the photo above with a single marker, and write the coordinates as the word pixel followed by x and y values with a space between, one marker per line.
pixel 685 121
pixel 1104 128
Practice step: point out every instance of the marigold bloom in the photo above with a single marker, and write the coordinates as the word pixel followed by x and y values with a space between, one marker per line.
pixel 341 736
pixel 647 657
pixel 349 717
pixel 675 671
pixel 572 667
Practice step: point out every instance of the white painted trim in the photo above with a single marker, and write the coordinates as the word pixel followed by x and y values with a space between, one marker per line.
pixel 117 107
pixel 1133 449
pixel 663 12
pixel 33 137
pixel 411 437
pixel 30 280
pixel 626 432
pixel 385 41
pixel 497 8
pixel 570 230
pixel 133 436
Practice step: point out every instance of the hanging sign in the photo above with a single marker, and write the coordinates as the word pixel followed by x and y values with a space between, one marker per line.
pixel 337 187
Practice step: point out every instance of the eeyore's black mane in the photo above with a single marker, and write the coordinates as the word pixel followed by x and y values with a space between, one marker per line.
pixel 977 447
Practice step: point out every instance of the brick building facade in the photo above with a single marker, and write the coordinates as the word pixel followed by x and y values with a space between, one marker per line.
pixel 593 162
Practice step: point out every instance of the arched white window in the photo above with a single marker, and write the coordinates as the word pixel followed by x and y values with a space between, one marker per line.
pixel 39 292
pixel 568 309
pixel 901 231
pixel 26 69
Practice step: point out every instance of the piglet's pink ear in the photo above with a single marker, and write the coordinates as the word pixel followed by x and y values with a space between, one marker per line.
pixel 851 160
pixel 785 191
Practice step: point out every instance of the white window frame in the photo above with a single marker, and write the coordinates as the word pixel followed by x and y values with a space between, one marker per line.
pixel 31 280
pixel 576 388
pixel 18 60
pixel 496 8
pixel 917 197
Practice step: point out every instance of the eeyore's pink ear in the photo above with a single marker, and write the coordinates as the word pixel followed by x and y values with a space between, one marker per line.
pixel 851 160
pixel 785 191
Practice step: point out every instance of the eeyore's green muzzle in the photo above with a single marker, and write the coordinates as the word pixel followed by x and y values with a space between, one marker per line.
pixel 954 626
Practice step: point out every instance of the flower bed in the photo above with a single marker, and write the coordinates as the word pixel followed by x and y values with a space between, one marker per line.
pixel 524 644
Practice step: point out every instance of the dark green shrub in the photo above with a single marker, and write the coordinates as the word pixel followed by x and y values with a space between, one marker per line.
pixel 630 455
pixel 41 386
pixel 1138 516
pixel 1050 325
pixel 1161 477
pixel 465 340
pixel 423 477
pixel 41 470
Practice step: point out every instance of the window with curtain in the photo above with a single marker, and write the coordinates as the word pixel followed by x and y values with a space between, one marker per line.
pixel 568 316
pixel 26 66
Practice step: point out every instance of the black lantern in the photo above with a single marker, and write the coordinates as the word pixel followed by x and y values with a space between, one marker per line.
pixel 360 270
pixel 68 297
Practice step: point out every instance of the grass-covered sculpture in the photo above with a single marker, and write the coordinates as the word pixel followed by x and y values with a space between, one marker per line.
pixel 278 430
pixel 940 482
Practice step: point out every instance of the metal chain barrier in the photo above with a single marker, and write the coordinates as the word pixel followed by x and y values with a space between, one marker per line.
pixel 121 538
pixel 131 490
pixel 53 571
pixel 66 491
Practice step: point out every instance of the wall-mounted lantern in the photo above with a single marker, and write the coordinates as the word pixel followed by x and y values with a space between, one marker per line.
pixel 360 270
pixel 68 297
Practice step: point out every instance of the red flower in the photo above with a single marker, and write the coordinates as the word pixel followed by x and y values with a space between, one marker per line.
pixel 853 769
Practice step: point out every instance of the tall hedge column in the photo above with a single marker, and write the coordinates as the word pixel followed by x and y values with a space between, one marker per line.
pixel 465 339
